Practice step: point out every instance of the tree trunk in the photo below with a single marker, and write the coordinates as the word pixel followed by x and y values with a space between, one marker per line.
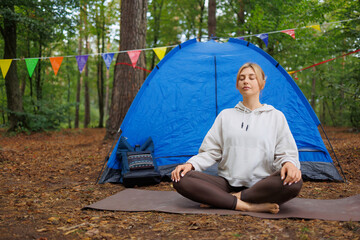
pixel 157 8
pixel 38 80
pixel 86 82
pixel 68 90
pixel 201 17
pixel 323 115
pixel 241 18
pixel 100 64
pixel 78 91
pixel 106 112
pixel 13 94
pixel 86 88
pixel 2 106
pixel 313 91
pixel 127 80
pixel 79 80
pixel 212 19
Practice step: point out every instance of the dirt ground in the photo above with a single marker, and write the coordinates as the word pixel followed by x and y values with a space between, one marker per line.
pixel 47 178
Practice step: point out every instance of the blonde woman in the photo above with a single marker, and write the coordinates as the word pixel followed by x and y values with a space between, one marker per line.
pixel 258 162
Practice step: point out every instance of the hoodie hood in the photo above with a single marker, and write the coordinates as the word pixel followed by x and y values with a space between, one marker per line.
pixel 265 108
pixel 246 120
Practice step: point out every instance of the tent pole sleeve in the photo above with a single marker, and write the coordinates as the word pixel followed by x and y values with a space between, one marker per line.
pixel 107 155
pixel 332 149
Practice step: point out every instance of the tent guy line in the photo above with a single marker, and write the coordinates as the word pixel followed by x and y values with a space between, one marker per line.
pixel 319 63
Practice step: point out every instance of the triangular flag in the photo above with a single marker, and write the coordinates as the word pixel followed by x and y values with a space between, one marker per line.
pixel 134 56
pixel 56 63
pixel 160 52
pixel 264 37
pixel 81 61
pixel 316 27
pixel 291 72
pixel 108 57
pixel 5 65
pixel 31 64
pixel 290 32
pixel 242 38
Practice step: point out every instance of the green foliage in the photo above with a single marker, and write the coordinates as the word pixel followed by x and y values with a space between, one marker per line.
pixel 49 116
pixel 51 28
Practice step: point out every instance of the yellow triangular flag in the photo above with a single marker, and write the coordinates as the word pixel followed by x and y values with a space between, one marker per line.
pixel 316 27
pixel 291 72
pixel 5 65
pixel 160 52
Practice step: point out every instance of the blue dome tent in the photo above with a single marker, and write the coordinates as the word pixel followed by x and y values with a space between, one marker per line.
pixel 182 96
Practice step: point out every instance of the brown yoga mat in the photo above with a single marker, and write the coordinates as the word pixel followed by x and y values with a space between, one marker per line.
pixel 135 200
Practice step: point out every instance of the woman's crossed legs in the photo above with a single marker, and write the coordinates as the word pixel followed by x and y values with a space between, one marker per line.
pixel 215 191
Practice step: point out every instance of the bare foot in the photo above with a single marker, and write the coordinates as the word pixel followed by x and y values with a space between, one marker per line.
pixel 257 207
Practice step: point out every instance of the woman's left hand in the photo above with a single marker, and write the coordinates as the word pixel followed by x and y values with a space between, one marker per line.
pixel 290 174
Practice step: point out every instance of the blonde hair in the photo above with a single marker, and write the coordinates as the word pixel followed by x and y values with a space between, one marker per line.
pixel 259 73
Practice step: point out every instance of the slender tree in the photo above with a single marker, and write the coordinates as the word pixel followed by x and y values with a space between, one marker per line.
pixel 201 17
pixel 100 42
pixel 86 82
pixel 13 94
pixel 212 18
pixel 127 80
pixel 79 77
pixel 157 6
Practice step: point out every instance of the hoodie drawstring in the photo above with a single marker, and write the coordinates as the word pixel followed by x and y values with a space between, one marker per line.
pixel 242 124
pixel 249 121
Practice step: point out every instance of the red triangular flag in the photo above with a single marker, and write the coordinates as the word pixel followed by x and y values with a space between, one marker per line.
pixel 290 32
pixel 56 63
pixel 134 56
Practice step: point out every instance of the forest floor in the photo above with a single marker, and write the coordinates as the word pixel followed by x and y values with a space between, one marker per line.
pixel 47 178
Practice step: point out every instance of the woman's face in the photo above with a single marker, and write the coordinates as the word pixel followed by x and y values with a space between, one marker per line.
pixel 247 83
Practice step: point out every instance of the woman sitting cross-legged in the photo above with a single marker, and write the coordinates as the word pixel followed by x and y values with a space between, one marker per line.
pixel 258 162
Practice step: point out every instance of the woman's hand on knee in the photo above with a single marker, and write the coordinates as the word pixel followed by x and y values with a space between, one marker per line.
pixel 181 170
pixel 290 173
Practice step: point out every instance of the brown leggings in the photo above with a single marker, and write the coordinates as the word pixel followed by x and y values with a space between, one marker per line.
pixel 215 191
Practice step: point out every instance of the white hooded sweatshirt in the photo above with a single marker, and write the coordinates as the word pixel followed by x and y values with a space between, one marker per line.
pixel 248 145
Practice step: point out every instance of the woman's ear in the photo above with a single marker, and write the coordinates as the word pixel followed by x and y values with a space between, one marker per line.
pixel 263 85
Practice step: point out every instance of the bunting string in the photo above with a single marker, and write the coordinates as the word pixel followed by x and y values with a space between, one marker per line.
pixel 312 26
pixel 134 54
pixel 95 54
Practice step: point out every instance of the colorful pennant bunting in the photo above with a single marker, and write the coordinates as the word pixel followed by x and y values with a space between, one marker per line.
pixel 134 56
pixel 290 32
pixel 81 61
pixel 56 63
pixel 31 64
pixel 316 27
pixel 5 65
pixel 108 57
pixel 160 52
pixel 264 37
